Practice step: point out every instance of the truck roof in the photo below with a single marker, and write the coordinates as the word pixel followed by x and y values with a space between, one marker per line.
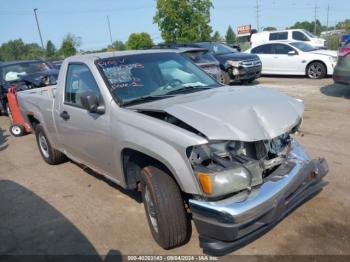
pixel 96 56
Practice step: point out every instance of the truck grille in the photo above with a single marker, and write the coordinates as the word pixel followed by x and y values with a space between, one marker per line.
pixel 251 63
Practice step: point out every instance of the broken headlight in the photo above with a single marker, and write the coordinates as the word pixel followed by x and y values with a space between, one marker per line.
pixel 225 167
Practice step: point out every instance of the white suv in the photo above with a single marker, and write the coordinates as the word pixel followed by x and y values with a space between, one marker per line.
pixel 290 35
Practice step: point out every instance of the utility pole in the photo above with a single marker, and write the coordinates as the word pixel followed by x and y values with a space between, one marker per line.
pixel 315 26
pixel 257 15
pixel 327 15
pixel 110 32
pixel 37 23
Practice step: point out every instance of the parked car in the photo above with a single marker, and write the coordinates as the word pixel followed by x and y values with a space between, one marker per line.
pixel 201 57
pixel 152 120
pixel 288 35
pixel 24 75
pixel 56 64
pixel 341 73
pixel 235 66
pixel 295 58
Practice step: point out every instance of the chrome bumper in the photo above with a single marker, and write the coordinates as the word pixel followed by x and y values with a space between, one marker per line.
pixel 228 224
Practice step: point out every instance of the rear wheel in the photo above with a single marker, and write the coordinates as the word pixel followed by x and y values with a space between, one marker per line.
pixel 165 209
pixel 50 155
pixel 17 130
pixel 316 70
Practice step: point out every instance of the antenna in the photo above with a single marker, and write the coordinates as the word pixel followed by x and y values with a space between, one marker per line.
pixel 110 32
pixel 257 15
pixel 37 24
pixel 327 15
pixel 315 26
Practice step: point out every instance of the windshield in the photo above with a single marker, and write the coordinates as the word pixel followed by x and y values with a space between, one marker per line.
pixel 303 46
pixel 14 71
pixel 200 57
pixel 309 34
pixel 160 75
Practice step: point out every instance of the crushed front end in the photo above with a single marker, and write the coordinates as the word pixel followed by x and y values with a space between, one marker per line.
pixel 246 70
pixel 248 187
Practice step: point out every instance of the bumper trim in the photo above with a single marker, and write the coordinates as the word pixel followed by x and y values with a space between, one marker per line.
pixel 229 224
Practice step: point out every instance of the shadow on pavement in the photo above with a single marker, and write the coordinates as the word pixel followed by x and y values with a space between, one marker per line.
pixel 3 139
pixel 134 194
pixel 31 229
pixel 336 90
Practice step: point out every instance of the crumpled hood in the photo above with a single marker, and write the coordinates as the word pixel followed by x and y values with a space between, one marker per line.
pixel 243 113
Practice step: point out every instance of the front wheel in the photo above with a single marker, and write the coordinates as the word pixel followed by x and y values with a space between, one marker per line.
pixel 49 154
pixel 316 70
pixel 165 209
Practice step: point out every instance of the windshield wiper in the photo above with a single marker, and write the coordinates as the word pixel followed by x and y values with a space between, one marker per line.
pixel 144 99
pixel 186 89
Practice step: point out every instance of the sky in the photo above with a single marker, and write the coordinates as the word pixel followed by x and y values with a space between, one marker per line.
pixel 88 19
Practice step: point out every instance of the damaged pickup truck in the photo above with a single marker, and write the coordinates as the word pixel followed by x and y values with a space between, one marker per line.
pixel 153 121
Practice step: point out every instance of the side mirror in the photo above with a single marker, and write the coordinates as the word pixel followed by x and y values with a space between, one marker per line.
pixel 90 102
pixel 293 52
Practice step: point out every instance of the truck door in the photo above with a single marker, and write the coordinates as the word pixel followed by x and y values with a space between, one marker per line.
pixel 86 136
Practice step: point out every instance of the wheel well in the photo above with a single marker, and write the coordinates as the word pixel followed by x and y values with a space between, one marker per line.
pixel 319 61
pixel 133 162
pixel 33 121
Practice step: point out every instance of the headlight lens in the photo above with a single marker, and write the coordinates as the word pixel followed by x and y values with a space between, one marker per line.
pixel 333 59
pixel 234 63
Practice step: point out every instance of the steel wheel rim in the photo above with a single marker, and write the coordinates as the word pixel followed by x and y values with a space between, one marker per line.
pixel 43 145
pixel 16 130
pixel 151 209
pixel 315 71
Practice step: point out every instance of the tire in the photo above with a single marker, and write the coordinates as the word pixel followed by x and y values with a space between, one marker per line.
pixel 316 70
pixel 17 130
pixel 165 210
pixel 49 154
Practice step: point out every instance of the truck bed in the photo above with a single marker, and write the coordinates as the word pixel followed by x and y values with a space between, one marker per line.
pixel 38 102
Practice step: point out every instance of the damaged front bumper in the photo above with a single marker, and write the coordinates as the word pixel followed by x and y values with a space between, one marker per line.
pixel 229 224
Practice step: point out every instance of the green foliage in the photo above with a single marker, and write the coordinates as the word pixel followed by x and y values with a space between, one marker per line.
pixel 70 45
pixel 183 20
pixel 119 45
pixel 344 25
pixel 309 26
pixel 18 50
pixel 216 37
pixel 270 28
pixel 139 41
pixel 50 50
pixel 230 36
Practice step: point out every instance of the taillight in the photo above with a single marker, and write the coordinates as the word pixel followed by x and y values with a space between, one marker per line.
pixel 344 51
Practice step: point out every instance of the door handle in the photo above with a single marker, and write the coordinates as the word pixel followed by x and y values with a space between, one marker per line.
pixel 65 115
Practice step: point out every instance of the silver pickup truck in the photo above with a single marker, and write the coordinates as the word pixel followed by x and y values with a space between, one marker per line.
pixel 153 121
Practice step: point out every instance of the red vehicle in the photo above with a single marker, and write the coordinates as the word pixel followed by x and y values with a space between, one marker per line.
pixel 19 127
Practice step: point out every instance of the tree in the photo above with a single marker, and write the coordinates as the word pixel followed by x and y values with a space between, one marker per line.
pixel 119 45
pixel 139 41
pixel 344 25
pixel 18 50
pixel 230 36
pixel 50 50
pixel 309 26
pixel 69 45
pixel 270 28
pixel 216 37
pixel 183 20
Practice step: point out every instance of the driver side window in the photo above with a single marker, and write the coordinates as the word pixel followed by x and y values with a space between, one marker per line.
pixel 79 80
pixel 281 49
pixel 299 36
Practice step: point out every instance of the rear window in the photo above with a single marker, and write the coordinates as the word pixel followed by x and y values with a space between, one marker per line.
pixel 279 36
pixel 200 57
pixel 263 49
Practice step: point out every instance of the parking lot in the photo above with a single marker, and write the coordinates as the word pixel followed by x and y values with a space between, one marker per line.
pixel 65 209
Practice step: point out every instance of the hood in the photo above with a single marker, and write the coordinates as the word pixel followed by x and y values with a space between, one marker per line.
pixel 325 52
pixel 235 57
pixel 233 113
